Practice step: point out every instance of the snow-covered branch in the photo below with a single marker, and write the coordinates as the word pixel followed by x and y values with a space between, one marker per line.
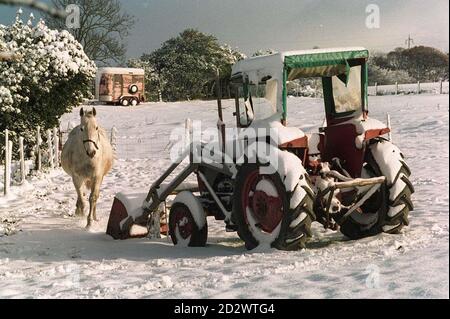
pixel 36 5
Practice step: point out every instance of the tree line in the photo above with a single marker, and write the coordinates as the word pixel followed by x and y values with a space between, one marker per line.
pixel 184 67
pixel 420 63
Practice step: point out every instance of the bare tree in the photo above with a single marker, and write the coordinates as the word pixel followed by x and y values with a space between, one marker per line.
pixel 102 30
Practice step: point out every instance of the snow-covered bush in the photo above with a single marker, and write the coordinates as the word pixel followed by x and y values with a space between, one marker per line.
pixel 385 76
pixel 307 87
pixel 50 77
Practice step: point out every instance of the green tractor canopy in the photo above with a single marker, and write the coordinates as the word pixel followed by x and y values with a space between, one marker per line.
pixel 343 73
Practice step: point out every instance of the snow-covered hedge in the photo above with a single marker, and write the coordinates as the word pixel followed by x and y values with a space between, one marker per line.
pixel 50 77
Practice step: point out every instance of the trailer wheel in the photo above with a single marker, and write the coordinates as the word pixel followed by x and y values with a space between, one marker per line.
pixel 387 210
pixel 125 102
pixel 187 221
pixel 261 210
pixel 134 102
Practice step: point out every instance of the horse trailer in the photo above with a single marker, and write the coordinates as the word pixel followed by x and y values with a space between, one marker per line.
pixel 122 86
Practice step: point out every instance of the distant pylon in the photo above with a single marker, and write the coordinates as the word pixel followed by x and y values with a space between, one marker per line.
pixel 409 41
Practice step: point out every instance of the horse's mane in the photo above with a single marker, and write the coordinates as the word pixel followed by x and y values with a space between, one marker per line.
pixel 102 132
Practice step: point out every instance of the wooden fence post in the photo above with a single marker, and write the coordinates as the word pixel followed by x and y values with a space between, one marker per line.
pixel 440 87
pixel 10 152
pixel 55 147
pixel 22 161
pixel 388 121
pixel 60 139
pixel 418 87
pixel 188 132
pixel 50 148
pixel 7 171
pixel 396 88
pixel 38 149
pixel 376 88
pixel 113 138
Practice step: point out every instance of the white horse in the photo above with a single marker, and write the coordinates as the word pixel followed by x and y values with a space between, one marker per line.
pixel 87 156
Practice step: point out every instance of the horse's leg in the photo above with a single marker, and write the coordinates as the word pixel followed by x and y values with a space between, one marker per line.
pixel 95 190
pixel 78 182
pixel 97 195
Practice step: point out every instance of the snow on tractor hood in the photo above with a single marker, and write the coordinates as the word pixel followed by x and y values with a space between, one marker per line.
pixel 283 134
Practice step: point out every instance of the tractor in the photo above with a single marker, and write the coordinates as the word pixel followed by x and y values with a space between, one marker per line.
pixel 269 182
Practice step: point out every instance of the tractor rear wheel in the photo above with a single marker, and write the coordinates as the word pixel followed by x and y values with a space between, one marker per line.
pixel 387 210
pixel 262 212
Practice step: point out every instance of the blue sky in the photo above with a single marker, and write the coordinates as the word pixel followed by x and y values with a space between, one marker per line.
pixel 250 25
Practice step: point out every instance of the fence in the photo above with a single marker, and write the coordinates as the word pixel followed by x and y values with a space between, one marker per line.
pixel 45 155
pixel 441 87
pixel 64 134
pixel 138 145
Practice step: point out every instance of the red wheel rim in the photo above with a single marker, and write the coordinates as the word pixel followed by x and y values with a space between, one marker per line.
pixel 266 210
pixel 182 220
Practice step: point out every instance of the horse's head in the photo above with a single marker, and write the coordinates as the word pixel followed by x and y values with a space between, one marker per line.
pixel 90 132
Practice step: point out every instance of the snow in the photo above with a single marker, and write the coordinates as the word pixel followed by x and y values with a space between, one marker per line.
pixel 297 197
pixel 283 134
pixel 264 239
pixel 298 220
pixel 132 71
pixel 267 187
pixel 132 203
pixel 393 211
pixel 194 205
pixel 290 169
pixel 313 144
pixel 388 157
pixel 51 255
pixel 274 62
pixel 44 58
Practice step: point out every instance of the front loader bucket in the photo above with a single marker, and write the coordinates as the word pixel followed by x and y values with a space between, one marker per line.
pixel 125 210
pixel 116 220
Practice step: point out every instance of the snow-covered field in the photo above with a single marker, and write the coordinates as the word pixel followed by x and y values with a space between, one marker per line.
pixel 53 256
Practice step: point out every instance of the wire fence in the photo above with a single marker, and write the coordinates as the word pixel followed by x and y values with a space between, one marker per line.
pixel 45 155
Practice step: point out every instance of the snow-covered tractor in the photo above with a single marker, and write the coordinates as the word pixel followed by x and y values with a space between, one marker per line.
pixel 269 181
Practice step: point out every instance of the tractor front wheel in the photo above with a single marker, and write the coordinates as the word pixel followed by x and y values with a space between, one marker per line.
pixel 187 221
